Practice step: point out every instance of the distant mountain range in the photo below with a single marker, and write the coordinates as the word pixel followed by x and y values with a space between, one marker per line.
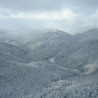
pixel 51 64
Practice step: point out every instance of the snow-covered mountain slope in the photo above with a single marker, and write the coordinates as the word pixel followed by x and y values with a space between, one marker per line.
pixel 49 39
pixel 55 65
pixel 12 53
pixel 19 80
pixel 52 42
pixel 83 86
pixel 91 34
pixel 65 89
pixel 72 54
pixel 86 53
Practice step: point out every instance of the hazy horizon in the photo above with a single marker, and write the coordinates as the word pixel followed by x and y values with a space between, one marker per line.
pixel 69 15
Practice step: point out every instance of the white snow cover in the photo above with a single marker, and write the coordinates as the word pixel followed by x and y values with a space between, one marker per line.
pixel 52 60
pixel 90 68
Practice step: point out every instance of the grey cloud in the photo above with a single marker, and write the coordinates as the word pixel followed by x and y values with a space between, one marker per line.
pixel 31 5
pixel 83 9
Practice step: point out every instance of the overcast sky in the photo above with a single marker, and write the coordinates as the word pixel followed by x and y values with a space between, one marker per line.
pixel 69 15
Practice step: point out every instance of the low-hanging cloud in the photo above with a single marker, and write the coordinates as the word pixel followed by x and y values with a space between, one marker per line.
pixel 69 15
pixel 63 14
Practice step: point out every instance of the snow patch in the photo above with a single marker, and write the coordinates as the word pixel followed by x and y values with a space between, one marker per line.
pixel 35 45
pixel 90 68
pixel 52 60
